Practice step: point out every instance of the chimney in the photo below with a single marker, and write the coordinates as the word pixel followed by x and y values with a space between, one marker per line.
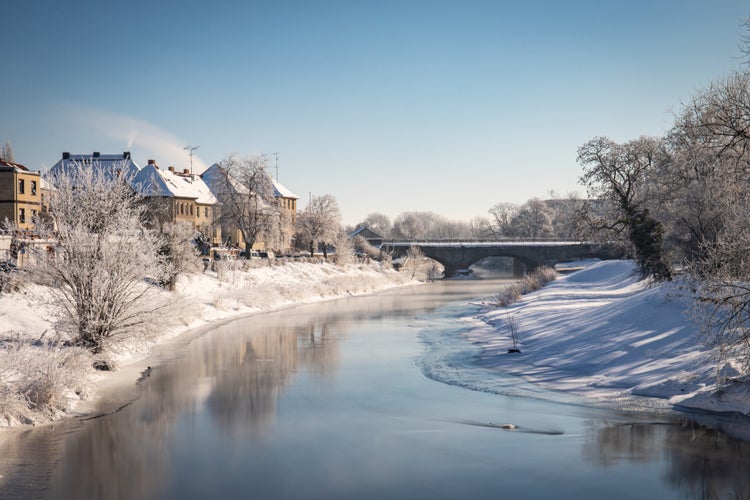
pixel 66 155
pixel 153 162
pixel 96 154
pixel 186 171
pixel 171 168
pixel 126 155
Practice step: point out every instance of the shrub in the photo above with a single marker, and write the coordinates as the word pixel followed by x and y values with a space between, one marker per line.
pixel 531 282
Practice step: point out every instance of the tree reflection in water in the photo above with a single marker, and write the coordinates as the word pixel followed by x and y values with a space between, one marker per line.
pixel 236 374
pixel 703 462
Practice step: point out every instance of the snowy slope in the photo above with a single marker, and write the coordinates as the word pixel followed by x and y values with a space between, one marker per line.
pixel 602 334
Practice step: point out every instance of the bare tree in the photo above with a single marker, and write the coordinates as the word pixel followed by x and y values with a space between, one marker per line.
pixel 480 228
pixel 501 215
pixel 380 223
pixel 616 175
pixel 6 153
pixel 245 190
pixel 100 266
pixel 723 292
pixel 412 225
pixel 320 222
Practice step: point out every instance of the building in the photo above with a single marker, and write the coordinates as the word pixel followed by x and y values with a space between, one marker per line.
pixel 113 165
pixel 178 196
pixel 368 235
pixel 287 202
pixel 20 195
pixel 219 181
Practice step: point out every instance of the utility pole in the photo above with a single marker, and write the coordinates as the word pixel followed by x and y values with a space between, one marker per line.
pixel 190 150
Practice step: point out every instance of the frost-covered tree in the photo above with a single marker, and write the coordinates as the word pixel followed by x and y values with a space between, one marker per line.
pixel 723 289
pixel 479 228
pixel 501 215
pixel 412 225
pixel 616 176
pixel 378 222
pixel 319 224
pixel 179 251
pixel 533 220
pixel 245 190
pixel 104 265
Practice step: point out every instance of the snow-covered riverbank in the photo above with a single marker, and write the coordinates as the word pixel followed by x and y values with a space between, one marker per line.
pixel 602 334
pixel 30 347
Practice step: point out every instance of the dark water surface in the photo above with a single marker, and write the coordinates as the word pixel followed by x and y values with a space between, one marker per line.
pixel 330 401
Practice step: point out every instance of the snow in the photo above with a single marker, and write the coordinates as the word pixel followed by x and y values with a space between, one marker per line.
pixel 602 334
pixel 27 319
pixel 598 333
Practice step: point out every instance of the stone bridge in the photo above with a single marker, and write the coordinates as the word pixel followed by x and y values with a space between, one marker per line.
pixel 527 255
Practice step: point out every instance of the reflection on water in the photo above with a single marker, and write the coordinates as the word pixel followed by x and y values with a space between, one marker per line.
pixel 239 406
pixel 700 462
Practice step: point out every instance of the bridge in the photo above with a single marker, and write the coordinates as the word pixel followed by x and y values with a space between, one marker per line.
pixel 527 255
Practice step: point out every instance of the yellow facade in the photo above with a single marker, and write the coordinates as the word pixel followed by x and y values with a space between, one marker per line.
pixel 20 195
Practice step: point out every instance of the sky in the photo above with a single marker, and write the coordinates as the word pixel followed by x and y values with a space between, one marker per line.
pixel 390 106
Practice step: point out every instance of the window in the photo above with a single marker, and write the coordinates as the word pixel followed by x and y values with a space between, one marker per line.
pixel 21 187
pixel 205 212
pixel 22 215
pixel 33 188
pixel 33 214
pixel 191 209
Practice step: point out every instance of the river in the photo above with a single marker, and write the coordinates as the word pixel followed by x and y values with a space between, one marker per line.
pixel 339 400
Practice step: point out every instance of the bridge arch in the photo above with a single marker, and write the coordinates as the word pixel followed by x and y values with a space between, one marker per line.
pixel 527 255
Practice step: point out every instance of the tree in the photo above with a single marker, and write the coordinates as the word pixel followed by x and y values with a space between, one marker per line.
pixel 501 215
pixel 412 225
pixel 380 223
pixel 105 262
pixel 7 153
pixel 320 222
pixel 532 220
pixel 479 228
pixel 723 292
pixel 245 190
pixel 616 174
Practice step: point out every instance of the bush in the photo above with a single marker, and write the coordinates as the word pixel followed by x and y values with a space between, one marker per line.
pixel 37 379
pixel 531 282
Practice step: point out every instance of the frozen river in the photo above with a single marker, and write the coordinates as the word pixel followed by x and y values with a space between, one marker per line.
pixel 334 400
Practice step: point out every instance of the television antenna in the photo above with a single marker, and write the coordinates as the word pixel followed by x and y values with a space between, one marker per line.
pixel 190 150
pixel 276 163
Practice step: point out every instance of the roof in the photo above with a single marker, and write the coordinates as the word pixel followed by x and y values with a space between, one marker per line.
pixel 111 165
pixel 16 167
pixel 215 177
pixel 366 233
pixel 153 181
pixel 280 191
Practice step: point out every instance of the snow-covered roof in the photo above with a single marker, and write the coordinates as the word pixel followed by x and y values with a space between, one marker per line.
pixel 215 178
pixel 17 167
pixel 366 233
pixel 153 181
pixel 111 165
pixel 279 191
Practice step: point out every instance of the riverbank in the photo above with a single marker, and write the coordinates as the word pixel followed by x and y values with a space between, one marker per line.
pixel 604 335
pixel 33 354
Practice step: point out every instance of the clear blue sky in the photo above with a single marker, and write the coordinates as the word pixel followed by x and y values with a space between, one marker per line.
pixel 444 106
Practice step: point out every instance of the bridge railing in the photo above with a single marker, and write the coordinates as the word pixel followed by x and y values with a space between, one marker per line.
pixel 484 241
